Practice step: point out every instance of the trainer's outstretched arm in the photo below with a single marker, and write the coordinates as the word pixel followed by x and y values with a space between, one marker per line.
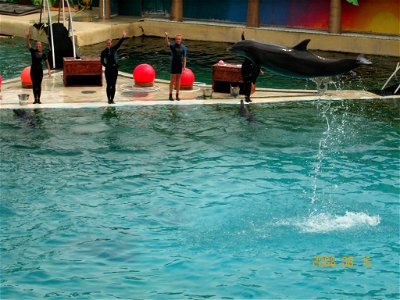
pixel 123 37
pixel 167 43
pixel 28 39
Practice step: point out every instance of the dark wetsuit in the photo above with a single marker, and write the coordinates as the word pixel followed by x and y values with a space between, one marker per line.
pixel 178 53
pixel 249 72
pixel 109 61
pixel 37 72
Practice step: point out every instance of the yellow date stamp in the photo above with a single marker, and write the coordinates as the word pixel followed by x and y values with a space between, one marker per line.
pixel 346 262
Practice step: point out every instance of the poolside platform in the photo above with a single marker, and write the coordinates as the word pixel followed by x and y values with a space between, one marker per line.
pixel 55 95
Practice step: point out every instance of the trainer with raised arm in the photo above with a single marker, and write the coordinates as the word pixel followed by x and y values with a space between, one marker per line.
pixel 249 72
pixel 178 64
pixel 37 56
pixel 109 59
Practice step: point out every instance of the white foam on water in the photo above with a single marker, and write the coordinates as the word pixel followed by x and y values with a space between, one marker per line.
pixel 326 223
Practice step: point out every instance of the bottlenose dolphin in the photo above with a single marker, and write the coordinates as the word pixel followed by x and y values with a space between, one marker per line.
pixel 30 118
pixel 295 62
pixel 244 111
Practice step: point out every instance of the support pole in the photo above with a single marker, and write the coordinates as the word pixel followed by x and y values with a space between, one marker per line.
pixel 41 11
pixel 335 17
pixel 177 10
pixel 391 76
pixel 101 9
pixel 108 9
pixel 59 10
pixel 104 9
pixel 63 11
pixel 253 13
pixel 72 30
pixel 51 34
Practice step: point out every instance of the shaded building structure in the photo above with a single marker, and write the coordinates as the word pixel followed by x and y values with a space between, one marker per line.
pixel 333 16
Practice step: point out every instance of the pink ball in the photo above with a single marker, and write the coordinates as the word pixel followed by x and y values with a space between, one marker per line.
pixel 221 62
pixel 26 77
pixel 144 73
pixel 1 81
pixel 187 78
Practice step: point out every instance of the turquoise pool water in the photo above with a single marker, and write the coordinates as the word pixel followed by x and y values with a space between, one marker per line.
pixel 201 57
pixel 195 202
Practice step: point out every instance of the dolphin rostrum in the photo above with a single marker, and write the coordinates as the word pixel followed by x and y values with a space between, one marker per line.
pixel 243 110
pixel 295 62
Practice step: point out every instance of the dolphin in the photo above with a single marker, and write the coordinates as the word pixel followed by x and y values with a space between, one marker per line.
pixel 244 111
pixel 295 62
pixel 30 118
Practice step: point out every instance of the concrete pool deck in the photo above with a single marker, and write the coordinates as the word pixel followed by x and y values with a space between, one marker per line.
pixel 89 29
pixel 55 95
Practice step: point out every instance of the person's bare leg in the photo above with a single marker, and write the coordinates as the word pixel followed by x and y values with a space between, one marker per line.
pixel 171 86
pixel 178 85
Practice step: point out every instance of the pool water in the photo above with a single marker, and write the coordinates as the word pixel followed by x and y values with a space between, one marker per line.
pixel 195 202
pixel 201 56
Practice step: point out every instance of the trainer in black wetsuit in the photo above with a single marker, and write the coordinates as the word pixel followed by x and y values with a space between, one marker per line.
pixel 37 68
pixel 109 60
pixel 178 64
pixel 249 72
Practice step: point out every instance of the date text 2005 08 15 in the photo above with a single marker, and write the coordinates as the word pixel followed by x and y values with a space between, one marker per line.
pixel 345 262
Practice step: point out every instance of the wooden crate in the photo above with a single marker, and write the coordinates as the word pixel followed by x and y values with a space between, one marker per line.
pixel 82 72
pixel 226 75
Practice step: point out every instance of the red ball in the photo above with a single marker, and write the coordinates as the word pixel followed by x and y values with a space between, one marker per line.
pixel 26 79
pixel 144 73
pixel 187 78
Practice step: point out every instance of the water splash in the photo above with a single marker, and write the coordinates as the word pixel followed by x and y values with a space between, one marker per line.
pixel 338 130
pixel 323 222
pixel 322 145
pixel 322 84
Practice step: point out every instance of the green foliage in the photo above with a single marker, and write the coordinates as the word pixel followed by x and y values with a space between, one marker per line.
pixel 354 2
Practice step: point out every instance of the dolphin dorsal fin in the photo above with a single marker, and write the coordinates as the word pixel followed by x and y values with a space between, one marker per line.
pixel 302 46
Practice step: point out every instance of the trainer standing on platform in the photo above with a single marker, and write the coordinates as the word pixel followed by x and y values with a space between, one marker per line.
pixel 37 67
pixel 249 72
pixel 109 60
pixel 178 64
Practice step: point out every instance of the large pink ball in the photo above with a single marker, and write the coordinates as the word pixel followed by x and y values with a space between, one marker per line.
pixel 144 73
pixel 26 79
pixel 1 81
pixel 187 77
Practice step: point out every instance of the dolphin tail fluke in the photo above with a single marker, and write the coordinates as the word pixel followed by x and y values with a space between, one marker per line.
pixel 363 61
